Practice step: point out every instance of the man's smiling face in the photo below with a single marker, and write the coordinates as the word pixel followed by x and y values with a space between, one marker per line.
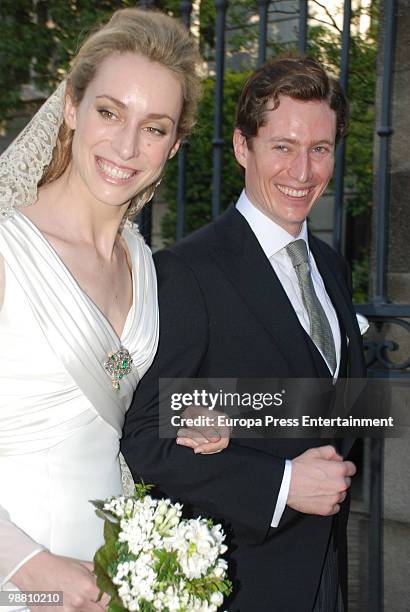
pixel 289 163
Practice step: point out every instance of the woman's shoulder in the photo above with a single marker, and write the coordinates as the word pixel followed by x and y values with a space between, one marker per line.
pixel 133 237
pixel 139 253
pixel 6 216
pixel 132 227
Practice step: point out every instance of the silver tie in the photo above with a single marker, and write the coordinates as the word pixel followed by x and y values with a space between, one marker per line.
pixel 320 330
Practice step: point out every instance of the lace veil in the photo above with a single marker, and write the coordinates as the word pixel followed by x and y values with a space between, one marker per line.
pixel 22 164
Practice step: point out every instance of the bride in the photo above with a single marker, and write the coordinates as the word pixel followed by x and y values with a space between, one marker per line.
pixel 79 313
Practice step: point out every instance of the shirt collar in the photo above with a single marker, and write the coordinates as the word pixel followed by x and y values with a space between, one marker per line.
pixel 271 236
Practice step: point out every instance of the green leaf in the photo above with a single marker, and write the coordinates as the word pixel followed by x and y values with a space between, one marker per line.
pixel 107 554
pixel 98 503
pixel 115 605
pixel 104 581
pixel 106 515
pixel 142 489
pixel 111 533
pixel 167 566
pixel 105 561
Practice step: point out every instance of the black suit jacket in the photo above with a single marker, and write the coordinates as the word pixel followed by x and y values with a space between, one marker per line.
pixel 224 313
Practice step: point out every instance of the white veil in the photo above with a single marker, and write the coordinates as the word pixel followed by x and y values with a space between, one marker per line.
pixel 22 164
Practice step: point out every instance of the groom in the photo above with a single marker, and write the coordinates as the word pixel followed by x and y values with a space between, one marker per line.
pixel 255 295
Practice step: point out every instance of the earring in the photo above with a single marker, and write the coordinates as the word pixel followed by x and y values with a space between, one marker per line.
pixel 138 202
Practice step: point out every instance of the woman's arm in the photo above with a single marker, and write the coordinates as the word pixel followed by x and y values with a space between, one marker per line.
pixel 47 572
pixel 16 547
pixel 30 567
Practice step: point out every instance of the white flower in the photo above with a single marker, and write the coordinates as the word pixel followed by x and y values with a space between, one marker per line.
pixel 167 515
pixel 217 598
pixel 116 505
pixel 363 323
pixel 202 606
pixel 197 546
pixel 220 568
pixel 172 602
pixel 148 525
pixel 138 531
pixel 124 590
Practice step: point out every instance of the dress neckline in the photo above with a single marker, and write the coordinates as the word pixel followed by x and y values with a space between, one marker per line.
pixel 131 256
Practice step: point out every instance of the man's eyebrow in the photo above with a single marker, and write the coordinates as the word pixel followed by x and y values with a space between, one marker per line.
pixel 325 141
pixel 280 139
pixel 294 141
pixel 124 106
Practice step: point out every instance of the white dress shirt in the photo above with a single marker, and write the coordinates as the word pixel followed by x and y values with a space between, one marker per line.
pixel 273 240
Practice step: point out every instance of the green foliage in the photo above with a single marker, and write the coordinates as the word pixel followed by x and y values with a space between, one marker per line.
pixel 142 489
pixel 201 587
pixel 104 559
pixel 324 44
pixel 360 279
pixel 199 162
pixel 38 40
pixel 207 15
pixel 167 566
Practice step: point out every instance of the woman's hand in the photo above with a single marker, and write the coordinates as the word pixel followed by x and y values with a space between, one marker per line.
pixel 208 438
pixel 48 572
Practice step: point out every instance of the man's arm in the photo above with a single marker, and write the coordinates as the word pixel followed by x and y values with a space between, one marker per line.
pixel 240 484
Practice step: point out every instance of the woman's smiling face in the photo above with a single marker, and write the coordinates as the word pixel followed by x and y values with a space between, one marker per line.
pixel 125 128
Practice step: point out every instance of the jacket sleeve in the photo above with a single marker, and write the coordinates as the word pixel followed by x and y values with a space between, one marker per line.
pixel 239 485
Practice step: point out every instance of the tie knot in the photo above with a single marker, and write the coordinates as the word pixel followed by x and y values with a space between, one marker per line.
pixel 297 252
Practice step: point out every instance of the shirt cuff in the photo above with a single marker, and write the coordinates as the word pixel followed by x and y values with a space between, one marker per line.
pixel 20 564
pixel 283 494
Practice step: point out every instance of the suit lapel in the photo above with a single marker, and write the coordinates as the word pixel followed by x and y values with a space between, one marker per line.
pixel 237 251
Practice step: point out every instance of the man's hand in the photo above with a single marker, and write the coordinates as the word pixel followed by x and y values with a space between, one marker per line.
pixel 320 479
pixel 212 437
pixel 47 572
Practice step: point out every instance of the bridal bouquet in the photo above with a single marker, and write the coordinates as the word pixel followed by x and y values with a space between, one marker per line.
pixel 153 559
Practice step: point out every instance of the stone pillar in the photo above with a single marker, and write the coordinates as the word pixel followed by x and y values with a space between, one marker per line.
pixel 397 471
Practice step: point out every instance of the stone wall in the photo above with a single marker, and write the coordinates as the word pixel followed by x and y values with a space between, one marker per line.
pixel 397 470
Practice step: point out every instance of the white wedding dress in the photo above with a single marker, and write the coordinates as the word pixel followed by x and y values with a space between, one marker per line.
pixel 60 419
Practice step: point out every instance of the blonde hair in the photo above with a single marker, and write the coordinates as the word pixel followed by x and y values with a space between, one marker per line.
pixel 152 34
